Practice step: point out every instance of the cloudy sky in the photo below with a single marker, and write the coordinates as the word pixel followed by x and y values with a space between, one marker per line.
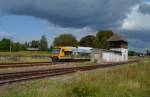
pixel 25 20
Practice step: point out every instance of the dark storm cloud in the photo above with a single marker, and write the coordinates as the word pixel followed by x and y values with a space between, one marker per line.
pixel 143 36
pixel 72 13
pixel 138 39
pixel 144 8
pixel 138 45
pixel 96 14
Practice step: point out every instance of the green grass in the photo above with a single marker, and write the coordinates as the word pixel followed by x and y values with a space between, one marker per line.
pixel 25 53
pixel 24 56
pixel 24 59
pixel 131 80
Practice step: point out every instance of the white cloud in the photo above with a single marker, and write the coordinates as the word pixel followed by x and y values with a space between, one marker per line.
pixel 136 21
pixel 6 34
pixel 77 32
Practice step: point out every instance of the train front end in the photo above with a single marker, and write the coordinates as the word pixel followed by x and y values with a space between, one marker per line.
pixel 61 54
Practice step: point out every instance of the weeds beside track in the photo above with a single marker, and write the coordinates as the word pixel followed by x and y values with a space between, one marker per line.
pixel 7 78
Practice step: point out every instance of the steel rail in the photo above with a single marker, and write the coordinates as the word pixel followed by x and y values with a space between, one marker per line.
pixel 7 78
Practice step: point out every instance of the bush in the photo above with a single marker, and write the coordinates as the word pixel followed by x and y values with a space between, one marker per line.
pixel 84 90
pixel 65 40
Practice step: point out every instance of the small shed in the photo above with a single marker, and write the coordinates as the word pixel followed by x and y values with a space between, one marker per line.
pixel 118 51
pixel 118 41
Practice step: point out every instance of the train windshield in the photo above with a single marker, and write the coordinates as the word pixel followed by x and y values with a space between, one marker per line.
pixel 56 51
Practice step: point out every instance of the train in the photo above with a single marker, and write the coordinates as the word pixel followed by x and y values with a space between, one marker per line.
pixel 64 53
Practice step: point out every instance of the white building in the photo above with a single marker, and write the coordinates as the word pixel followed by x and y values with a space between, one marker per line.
pixel 118 51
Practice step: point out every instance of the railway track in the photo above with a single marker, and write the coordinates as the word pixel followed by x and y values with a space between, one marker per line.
pixel 26 64
pixel 32 64
pixel 7 78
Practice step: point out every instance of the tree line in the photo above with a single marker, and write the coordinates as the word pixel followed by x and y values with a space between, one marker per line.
pixel 8 45
pixel 42 44
pixel 98 41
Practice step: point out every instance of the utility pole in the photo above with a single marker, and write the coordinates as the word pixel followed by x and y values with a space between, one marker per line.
pixel 10 46
pixel 148 52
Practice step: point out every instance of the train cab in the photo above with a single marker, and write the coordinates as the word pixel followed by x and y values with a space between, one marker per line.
pixel 70 53
pixel 61 53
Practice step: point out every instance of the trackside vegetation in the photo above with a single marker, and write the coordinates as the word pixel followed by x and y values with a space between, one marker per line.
pixel 96 41
pixel 7 45
pixel 132 80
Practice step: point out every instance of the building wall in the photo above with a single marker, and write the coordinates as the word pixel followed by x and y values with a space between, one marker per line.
pixel 101 56
pixel 96 56
pixel 124 53
pixel 111 57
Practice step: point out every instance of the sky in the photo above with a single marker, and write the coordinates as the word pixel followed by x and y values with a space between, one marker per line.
pixel 26 20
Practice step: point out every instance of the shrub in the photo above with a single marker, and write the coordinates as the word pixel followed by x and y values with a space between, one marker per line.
pixel 84 90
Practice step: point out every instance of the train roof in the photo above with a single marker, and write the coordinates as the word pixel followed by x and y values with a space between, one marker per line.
pixel 83 49
pixel 76 49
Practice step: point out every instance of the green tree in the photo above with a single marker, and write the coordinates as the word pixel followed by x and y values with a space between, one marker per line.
pixel 65 40
pixel 43 44
pixel 18 47
pixel 88 41
pixel 35 44
pixel 27 44
pixel 5 44
pixel 102 37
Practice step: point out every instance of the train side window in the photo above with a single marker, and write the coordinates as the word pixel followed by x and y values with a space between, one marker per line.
pixel 68 52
